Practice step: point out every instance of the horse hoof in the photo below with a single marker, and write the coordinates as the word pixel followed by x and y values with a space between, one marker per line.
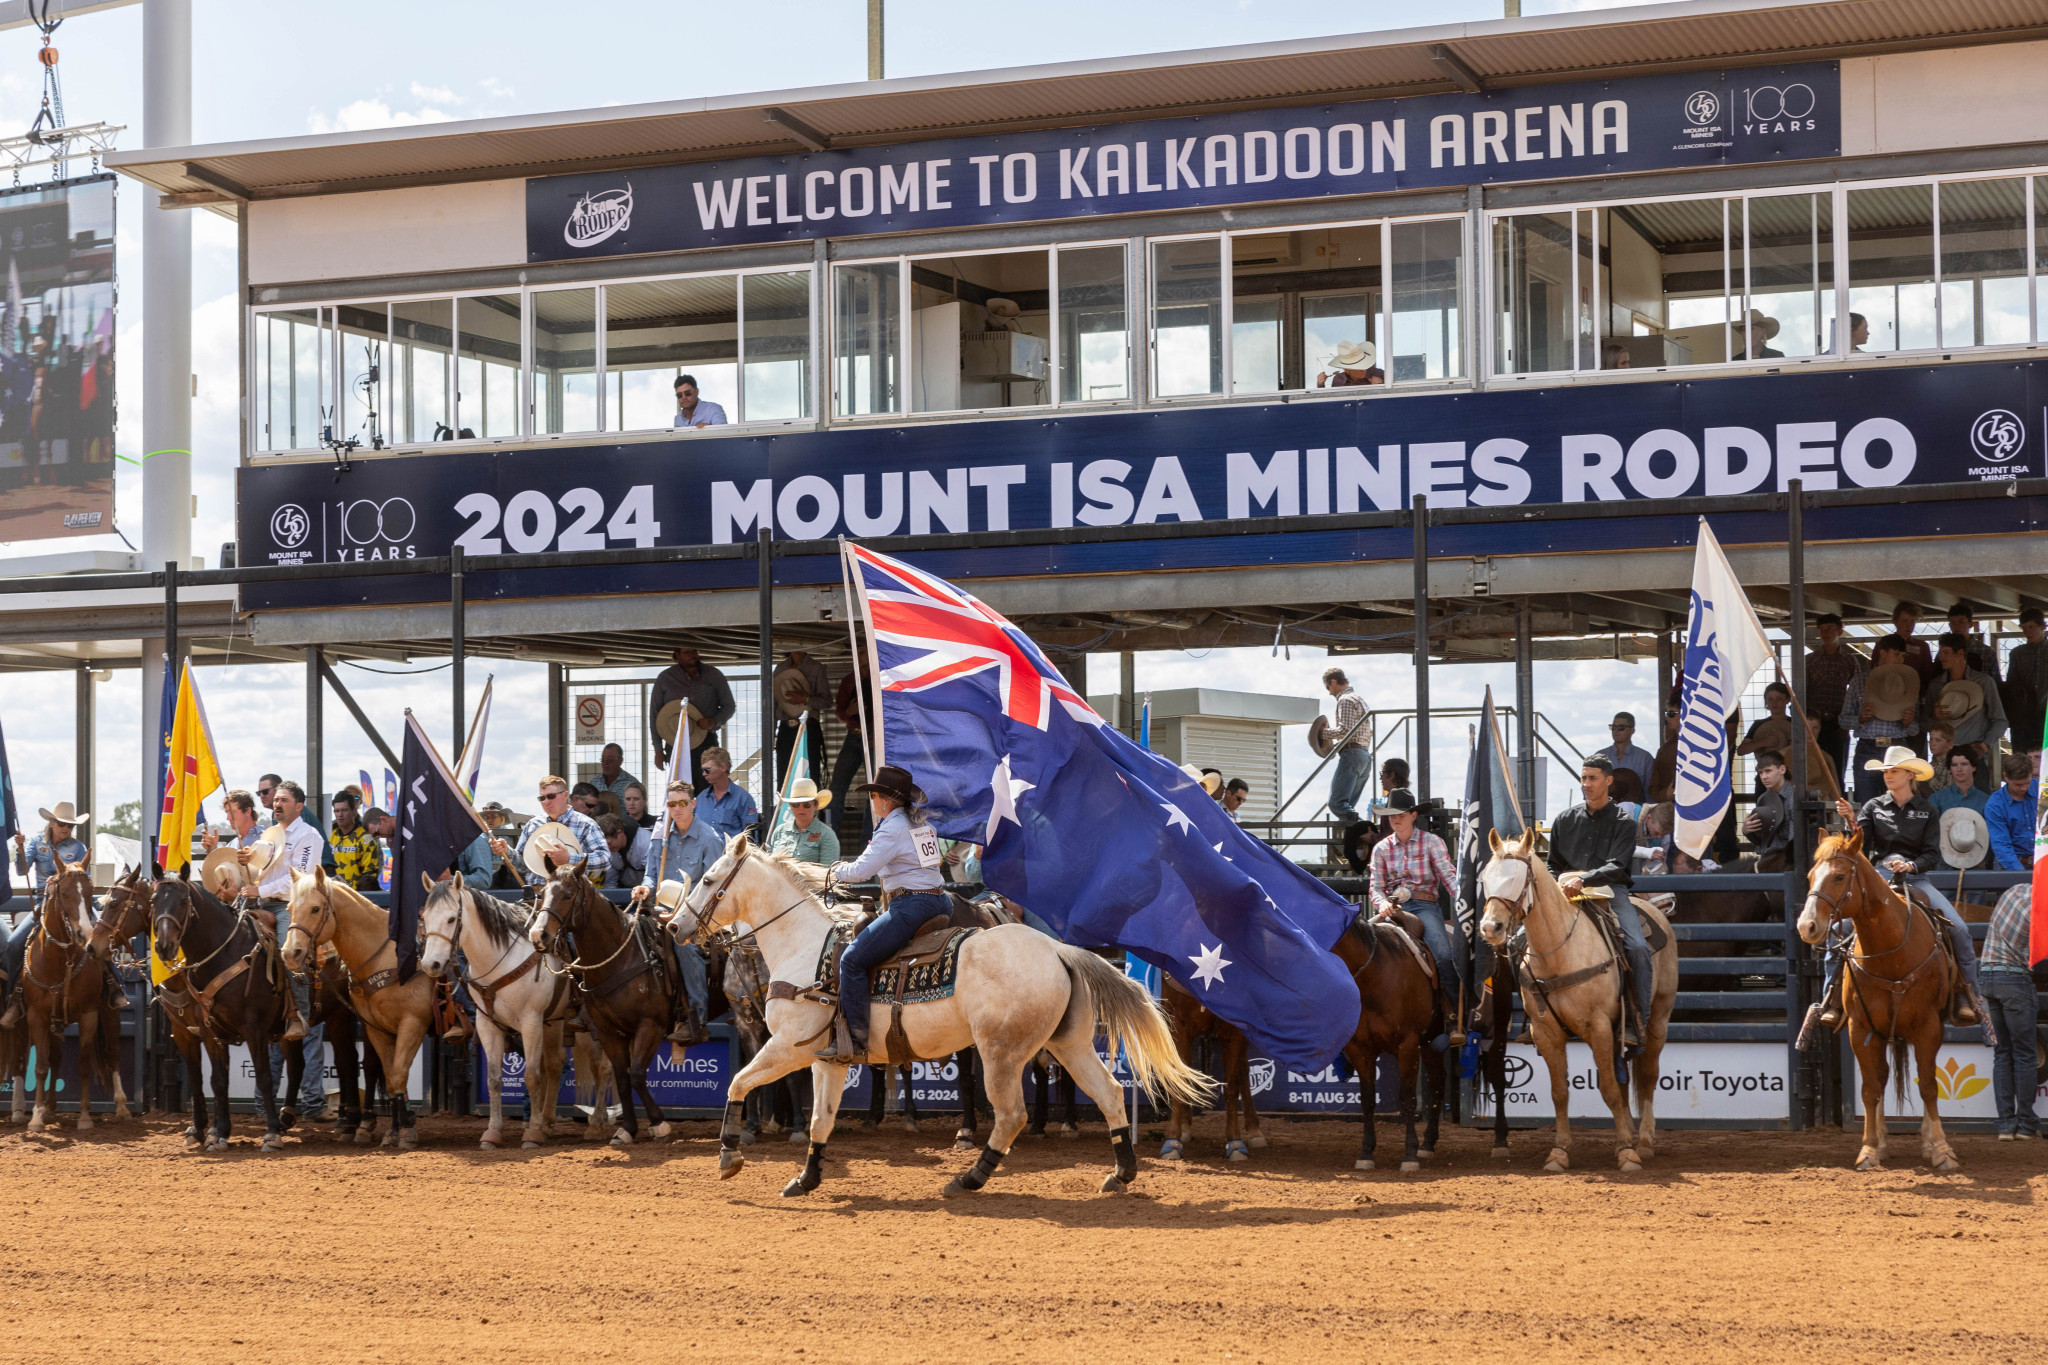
pixel 1235 1150
pixel 661 1130
pixel 491 1142
pixel 1500 1154
pixel 390 1139
pixel 273 1142
pixel 365 1135
pixel 795 1188
pixel 955 1188
pixel 729 1163
pixel 1628 1162
pixel 1170 1150
pixel 84 1124
pixel 747 1139
pixel 1035 1130
pixel 799 1136
pixel 1560 1160
pixel 1426 1153
pixel 910 1125
pixel 1257 1139
pixel 219 1144
pixel 1869 1161
pixel 1114 1184
pixel 965 1144
pixel 622 1138
pixel 1411 1165
pixel 1068 1130
pixel 1363 1163
pixel 409 1139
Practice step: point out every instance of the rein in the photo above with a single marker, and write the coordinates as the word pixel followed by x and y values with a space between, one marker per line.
pixel 705 929
pixel 562 926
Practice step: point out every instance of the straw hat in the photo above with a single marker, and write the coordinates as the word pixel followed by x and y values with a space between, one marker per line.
pixel 670 894
pixel 222 873
pixel 803 789
pixel 1319 737
pixel 1891 690
pixel 1354 355
pixel 65 814
pixel 792 692
pixel 669 720
pixel 553 834
pixel 1959 701
pixel 1965 837
pixel 1899 756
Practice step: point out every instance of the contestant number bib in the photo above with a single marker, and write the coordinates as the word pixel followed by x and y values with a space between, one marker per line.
pixel 926 840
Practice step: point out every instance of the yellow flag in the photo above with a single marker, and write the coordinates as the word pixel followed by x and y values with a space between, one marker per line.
pixel 191 774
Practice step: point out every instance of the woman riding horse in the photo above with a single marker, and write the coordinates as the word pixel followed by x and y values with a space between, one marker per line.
pixel 904 857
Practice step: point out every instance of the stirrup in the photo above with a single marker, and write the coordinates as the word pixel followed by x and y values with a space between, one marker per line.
pixel 295 1031
pixel 846 1048
pixel 688 1033
pixel 1963 1009
pixel 13 1015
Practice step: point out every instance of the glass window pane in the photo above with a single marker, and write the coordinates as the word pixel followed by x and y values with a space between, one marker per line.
pixel 1891 267
pixel 362 336
pixel 565 360
pixel 866 338
pixel 1659 291
pixel 1983 262
pixel 1332 322
pixel 422 352
pixel 979 332
pixel 1187 317
pixel 308 376
pixel 1533 267
pixel 288 379
pixel 1255 345
pixel 487 388
pixel 1428 284
pixel 1791 306
pixel 659 331
pixel 778 342
pixel 1095 351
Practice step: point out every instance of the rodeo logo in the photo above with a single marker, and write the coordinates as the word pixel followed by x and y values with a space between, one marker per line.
pixel 599 216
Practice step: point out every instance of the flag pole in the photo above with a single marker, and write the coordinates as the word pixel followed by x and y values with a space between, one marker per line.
pixel 676 757
pixel 860 697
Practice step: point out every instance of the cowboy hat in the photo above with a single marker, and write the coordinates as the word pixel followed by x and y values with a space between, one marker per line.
pixel 792 692
pixel 1763 324
pixel 1899 756
pixel 1400 801
pixel 65 814
pixel 1319 737
pixel 894 783
pixel 222 872
pixel 669 895
pixel 1891 690
pixel 803 789
pixel 554 834
pixel 1354 355
pixel 1959 701
pixel 499 816
pixel 1965 837
pixel 1773 732
pixel 1212 782
pixel 668 721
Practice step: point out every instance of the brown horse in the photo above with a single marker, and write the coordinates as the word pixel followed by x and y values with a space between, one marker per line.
pixel 1190 1021
pixel 1399 1013
pixel 628 995
pixel 1898 982
pixel 63 983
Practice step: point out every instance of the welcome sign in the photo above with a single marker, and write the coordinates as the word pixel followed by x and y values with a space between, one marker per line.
pixel 1643 123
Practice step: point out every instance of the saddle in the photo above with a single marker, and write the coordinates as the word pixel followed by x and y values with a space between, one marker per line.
pixel 1409 936
pixel 1600 912
pixel 1945 951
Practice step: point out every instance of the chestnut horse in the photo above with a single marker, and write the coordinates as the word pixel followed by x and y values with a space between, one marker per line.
pixel 1398 1014
pixel 1893 994
pixel 62 983
pixel 1191 1020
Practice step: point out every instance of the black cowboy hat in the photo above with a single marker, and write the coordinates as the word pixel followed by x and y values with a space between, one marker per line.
pixel 894 783
pixel 1400 801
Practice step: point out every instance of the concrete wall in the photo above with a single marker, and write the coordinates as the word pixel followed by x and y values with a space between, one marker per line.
pixel 1955 97
pixel 387 232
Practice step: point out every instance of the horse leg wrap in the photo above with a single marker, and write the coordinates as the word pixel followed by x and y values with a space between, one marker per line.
pixel 729 1131
pixel 814 1167
pixel 977 1175
pixel 1126 1156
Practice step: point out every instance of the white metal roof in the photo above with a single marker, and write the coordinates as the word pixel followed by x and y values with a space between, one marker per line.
pixel 1696 34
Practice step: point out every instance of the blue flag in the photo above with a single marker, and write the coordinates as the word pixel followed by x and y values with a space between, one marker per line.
pixel 435 823
pixel 1114 846
pixel 10 822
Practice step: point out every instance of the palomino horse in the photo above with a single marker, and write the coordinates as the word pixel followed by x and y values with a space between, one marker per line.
pixel 395 1014
pixel 788 1101
pixel 62 983
pixel 1572 987
pixel 1191 1021
pixel 516 987
pixel 1892 994
pixel 1016 992
pixel 1398 1015
pixel 628 1000
pixel 235 996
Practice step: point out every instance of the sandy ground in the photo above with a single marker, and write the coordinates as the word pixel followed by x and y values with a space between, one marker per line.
pixel 1730 1246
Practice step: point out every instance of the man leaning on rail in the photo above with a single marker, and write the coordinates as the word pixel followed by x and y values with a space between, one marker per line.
pixel 1593 845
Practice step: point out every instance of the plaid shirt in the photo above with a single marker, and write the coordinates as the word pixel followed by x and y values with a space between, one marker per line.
pixel 597 854
pixel 1877 729
pixel 1828 677
pixel 1421 863
pixel 1350 711
pixel 2005 942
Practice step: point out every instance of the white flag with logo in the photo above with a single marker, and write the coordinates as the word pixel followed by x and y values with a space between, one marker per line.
pixel 1724 647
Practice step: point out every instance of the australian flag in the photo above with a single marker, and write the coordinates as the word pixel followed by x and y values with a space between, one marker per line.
pixel 435 823
pixel 1113 845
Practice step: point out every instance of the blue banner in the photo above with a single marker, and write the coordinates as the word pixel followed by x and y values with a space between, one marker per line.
pixel 1643 123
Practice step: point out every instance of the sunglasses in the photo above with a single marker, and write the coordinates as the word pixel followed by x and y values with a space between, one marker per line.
pixel 552 796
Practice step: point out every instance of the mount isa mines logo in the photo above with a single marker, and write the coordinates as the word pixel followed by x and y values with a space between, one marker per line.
pixel 598 216
pixel 1997 437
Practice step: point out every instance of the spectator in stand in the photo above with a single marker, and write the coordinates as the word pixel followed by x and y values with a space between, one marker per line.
pixel 1623 752
pixel 1962 785
pixel 697 684
pixel 628 844
pixel 856 712
pixel 1920 658
pixel 1979 725
pixel 634 799
pixel 1874 733
pixel 2010 813
pixel 611 772
pixel 1653 835
pixel 1773 730
pixel 1234 794
pixel 2026 683
pixel 1664 767
pixel 1829 671
pixel 1941 742
pixel 358 858
pixel 2015 1010
pixel 723 807
pixel 1769 823
pixel 583 796
pixel 1962 620
pixel 1353 732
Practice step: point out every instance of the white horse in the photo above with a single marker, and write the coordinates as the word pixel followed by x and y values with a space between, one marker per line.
pixel 513 985
pixel 1017 993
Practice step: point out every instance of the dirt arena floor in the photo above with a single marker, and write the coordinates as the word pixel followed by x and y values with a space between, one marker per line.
pixel 1729 1247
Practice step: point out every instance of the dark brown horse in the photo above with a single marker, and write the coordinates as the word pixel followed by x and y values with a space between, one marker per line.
pixel 1897 983
pixel 628 994
pixel 63 983
pixel 1399 1013
pixel 233 990
pixel 1192 1022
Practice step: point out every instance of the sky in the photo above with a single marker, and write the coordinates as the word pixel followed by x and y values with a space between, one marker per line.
pixel 291 67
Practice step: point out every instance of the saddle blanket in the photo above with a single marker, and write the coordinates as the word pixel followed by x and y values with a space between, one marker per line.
pixel 895 982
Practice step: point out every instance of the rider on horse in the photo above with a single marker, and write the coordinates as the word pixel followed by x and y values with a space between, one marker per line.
pixel 904 856
pixel 1902 838
pixel 690 847
pixel 1412 870
pixel 44 856
pixel 1594 844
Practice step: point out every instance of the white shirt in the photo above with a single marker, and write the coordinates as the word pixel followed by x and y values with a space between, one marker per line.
pixel 302 846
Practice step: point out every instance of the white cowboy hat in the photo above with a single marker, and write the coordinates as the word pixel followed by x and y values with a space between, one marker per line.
pixel 1959 701
pixel 668 722
pixel 1891 689
pixel 222 872
pixel 792 692
pixel 670 894
pixel 803 789
pixel 553 834
pixel 65 814
pixel 1965 837
pixel 1354 355
pixel 1899 756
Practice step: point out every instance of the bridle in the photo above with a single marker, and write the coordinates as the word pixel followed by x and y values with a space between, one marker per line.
pixel 323 925
pixel 162 918
pixel 1846 864
pixel 706 928
pixel 71 939
pixel 454 940
pixel 566 924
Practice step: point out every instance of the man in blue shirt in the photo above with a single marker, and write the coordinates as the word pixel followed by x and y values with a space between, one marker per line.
pixel 692 411
pixel 727 808
pixel 554 807
pixel 687 851
pixel 2010 813
pixel 904 856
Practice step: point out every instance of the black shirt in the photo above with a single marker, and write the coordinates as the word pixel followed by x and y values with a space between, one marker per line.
pixel 1909 831
pixel 1600 845
pixel 1776 809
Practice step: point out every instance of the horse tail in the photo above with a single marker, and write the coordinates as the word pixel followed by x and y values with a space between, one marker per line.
pixel 1901 1066
pixel 1133 1020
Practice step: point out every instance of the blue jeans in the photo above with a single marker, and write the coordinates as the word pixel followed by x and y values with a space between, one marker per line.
pixel 2014 1006
pixel 313 1085
pixel 1958 932
pixel 16 948
pixel 696 979
pixel 1437 939
pixel 879 942
pixel 1354 766
pixel 1636 948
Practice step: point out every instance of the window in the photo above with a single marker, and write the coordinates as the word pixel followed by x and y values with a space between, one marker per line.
pixel 363 332
pixel 487 366
pixel 288 378
pixel 1891 268
pixel 565 361
pixel 1426 340
pixel 980 331
pixel 1546 285
pixel 422 402
pixel 775 317
pixel 867 313
pixel 1187 317
pixel 1984 263
pixel 1094 326
pixel 1790 305
pixel 659 330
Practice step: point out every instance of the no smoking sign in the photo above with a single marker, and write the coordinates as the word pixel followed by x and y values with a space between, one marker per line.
pixel 590 720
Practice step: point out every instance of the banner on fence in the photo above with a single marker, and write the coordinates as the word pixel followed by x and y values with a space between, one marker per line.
pixel 1712 1081
pixel 1962 1085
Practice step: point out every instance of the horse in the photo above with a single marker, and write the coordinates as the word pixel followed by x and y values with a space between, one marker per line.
pixel 232 993
pixel 787 1101
pixel 1892 995
pixel 1015 992
pixel 395 1014
pixel 358 1077
pixel 1582 995
pixel 1398 1015
pixel 628 997
pixel 63 982
pixel 1191 1021
pixel 519 988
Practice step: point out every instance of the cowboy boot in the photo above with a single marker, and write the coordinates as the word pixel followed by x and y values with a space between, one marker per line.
pixel 1970 1011
pixel 295 1023
pixel 689 1030
pixel 847 1048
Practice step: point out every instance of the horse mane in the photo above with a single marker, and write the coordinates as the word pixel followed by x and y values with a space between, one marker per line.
pixel 503 923
pixel 808 878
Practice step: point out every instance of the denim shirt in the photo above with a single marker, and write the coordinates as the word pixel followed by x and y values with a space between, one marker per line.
pixel 43 856
pixel 689 853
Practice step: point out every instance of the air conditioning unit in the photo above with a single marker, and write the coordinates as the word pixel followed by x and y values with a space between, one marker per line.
pixel 1003 357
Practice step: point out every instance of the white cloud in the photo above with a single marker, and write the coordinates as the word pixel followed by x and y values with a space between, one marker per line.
pixel 434 94
pixel 496 88
pixel 373 113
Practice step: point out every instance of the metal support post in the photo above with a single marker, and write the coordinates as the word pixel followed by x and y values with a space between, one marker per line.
pixel 1666 654
pixel 1127 693
pixel 769 787
pixel 457 609
pixel 874 40
pixel 1421 765
pixel 1802 963
pixel 82 745
pixel 1525 707
pixel 316 727
pixel 558 719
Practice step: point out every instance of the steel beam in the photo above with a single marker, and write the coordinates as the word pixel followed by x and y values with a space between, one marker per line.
pixel 316 736
pixel 770 789
pixel 362 719
pixel 1420 511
